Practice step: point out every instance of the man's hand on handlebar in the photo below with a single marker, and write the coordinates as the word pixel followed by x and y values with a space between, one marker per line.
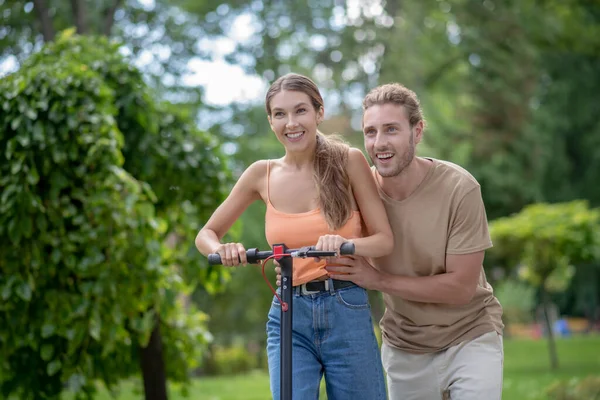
pixel 232 254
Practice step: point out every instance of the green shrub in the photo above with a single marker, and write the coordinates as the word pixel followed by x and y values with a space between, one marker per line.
pixel 575 389
pixel 95 176
pixel 517 299
pixel 230 360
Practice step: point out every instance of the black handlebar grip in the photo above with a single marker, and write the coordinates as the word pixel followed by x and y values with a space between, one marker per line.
pixel 214 259
pixel 347 248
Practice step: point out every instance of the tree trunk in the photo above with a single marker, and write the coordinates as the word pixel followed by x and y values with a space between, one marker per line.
pixel 153 367
pixel 109 18
pixel 79 11
pixel 41 9
pixel 549 329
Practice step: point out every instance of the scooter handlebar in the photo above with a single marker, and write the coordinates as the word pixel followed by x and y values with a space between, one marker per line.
pixel 253 255
pixel 214 259
pixel 347 249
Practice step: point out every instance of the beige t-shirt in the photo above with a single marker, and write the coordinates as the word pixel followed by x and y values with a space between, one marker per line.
pixel 444 215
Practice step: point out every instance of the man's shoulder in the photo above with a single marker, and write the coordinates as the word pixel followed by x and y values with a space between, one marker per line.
pixel 453 175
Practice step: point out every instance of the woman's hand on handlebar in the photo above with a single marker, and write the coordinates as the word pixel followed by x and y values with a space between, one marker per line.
pixel 232 254
pixel 325 243
pixel 330 243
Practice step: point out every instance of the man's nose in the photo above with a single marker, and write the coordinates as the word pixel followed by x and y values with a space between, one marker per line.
pixel 379 141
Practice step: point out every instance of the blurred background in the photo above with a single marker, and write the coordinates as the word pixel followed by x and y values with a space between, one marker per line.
pixel 124 123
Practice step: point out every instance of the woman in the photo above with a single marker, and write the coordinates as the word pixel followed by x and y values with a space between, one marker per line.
pixel 320 192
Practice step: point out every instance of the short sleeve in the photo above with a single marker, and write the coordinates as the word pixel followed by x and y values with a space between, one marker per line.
pixel 469 231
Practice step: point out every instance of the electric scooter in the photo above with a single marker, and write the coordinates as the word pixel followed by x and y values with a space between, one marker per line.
pixel 284 257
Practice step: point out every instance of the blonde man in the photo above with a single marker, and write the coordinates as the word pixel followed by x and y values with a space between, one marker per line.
pixel 442 327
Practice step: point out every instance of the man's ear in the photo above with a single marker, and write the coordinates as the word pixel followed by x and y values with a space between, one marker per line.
pixel 418 129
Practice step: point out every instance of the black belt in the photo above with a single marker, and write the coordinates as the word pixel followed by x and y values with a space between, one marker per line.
pixel 323 286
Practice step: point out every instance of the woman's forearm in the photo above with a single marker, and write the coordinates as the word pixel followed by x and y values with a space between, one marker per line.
pixel 207 241
pixel 377 245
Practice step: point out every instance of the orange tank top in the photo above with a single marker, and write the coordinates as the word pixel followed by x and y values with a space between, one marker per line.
pixel 304 229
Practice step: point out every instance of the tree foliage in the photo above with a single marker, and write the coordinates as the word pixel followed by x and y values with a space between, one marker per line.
pixel 504 85
pixel 546 241
pixel 158 34
pixel 99 181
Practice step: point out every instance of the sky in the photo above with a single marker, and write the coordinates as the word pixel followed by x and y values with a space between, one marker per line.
pixel 223 82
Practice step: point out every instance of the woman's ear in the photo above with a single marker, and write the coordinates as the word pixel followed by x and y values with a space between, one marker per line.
pixel 270 123
pixel 320 115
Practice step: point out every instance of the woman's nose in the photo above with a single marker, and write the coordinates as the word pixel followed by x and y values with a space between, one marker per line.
pixel 291 122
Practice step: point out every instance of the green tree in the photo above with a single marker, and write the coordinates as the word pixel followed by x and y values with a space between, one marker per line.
pixel 160 35
pixel 531 77
pixel 547 240
pixel 103 188
pixel 518 300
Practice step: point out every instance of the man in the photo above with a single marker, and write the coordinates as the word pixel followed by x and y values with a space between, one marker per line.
pixel 442 325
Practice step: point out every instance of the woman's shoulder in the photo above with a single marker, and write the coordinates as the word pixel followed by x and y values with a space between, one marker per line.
pixel 358 166
pixel 355 155
pixel 257 169
pixel 262 167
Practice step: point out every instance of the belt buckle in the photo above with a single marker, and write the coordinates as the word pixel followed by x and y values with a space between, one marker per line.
pixel 305 291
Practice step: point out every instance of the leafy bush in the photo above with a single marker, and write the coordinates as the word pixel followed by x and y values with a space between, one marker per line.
pixel 575 389
pixel 518 301
pixel 547 239
pixel 96 175
pixel 229 360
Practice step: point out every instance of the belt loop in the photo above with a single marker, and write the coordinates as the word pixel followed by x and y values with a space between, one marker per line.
pixel 331 288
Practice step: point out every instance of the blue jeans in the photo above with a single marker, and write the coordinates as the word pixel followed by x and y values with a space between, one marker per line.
pixel 332 336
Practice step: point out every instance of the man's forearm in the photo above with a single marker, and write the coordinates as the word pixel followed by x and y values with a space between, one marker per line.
pixel 442 288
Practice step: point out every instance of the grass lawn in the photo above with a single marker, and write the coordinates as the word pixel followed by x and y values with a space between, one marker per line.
pixel 526 364
pixel 252 386
pixel 526 372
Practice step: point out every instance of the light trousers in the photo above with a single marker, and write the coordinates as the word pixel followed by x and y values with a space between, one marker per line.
pixel 471 370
